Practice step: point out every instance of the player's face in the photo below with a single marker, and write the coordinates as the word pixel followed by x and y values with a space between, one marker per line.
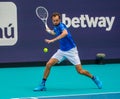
pixel 55 20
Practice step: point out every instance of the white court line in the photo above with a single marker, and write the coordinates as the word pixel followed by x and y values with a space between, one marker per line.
pixel 79 94
pixel 68 95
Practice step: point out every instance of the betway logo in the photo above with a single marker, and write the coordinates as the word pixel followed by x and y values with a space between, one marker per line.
pixel 85 21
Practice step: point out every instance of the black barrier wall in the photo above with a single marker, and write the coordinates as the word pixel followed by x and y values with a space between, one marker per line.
pixel 94 25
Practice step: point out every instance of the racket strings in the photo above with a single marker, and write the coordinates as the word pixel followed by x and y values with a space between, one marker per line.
pixel 42 13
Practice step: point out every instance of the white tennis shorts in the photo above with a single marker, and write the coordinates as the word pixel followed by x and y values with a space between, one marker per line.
pixel 71 55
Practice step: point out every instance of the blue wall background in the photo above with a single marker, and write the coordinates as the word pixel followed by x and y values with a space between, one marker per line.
pixel 90 41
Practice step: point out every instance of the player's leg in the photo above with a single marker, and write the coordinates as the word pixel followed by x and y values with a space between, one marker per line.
pixel 49 64
pixel 86 73
pixel 57 57
pixel 73 57
pixel 83 72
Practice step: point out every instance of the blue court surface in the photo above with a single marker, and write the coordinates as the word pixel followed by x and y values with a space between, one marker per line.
pixel 63 82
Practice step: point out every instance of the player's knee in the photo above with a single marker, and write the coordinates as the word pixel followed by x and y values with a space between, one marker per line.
pixel 48 65
pixel 80 71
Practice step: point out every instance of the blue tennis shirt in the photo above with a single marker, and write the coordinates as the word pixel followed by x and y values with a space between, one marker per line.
pixel 67 42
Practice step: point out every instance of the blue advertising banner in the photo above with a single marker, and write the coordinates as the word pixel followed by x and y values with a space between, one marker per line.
pixel 94 25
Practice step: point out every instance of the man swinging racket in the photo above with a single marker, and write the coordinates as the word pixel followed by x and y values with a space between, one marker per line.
pixel 67 50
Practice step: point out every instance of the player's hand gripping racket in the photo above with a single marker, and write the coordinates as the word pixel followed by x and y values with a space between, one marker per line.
pixel 42 14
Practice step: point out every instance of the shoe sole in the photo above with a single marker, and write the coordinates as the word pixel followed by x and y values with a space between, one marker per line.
pixel 44 89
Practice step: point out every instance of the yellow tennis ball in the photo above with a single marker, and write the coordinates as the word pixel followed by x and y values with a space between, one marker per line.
pixel 45 50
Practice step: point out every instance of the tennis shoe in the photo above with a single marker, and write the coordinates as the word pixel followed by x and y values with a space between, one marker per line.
pixel 97 82
pixel 40 88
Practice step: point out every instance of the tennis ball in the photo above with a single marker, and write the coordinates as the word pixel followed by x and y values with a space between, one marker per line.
pixel 45 50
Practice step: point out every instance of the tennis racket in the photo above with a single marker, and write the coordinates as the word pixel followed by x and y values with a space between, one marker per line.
pixel 42 14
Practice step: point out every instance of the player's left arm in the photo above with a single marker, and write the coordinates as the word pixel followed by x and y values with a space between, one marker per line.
pixel 62 35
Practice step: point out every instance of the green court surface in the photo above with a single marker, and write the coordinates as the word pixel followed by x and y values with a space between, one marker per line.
pixel 63 80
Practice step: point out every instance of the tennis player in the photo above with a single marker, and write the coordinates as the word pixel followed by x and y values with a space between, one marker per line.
pixel 67 50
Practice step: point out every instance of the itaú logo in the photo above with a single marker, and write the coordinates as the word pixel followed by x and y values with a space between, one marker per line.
pixel 8 24
pixel 85 21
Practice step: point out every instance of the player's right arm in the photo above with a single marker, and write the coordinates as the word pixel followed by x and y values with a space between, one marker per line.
pixel 50 31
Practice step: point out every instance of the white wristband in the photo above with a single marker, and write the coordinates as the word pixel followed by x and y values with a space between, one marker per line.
pixel 49 31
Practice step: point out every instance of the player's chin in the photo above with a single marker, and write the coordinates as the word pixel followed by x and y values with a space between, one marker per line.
pixel 56 24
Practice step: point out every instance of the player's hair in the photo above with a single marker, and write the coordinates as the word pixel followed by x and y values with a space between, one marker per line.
pixel 56 14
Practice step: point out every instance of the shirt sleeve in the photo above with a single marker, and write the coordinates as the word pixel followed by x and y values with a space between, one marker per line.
pixel 62 27
pixel 59 29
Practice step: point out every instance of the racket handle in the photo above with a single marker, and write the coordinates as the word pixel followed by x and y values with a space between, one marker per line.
pixel 46 26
